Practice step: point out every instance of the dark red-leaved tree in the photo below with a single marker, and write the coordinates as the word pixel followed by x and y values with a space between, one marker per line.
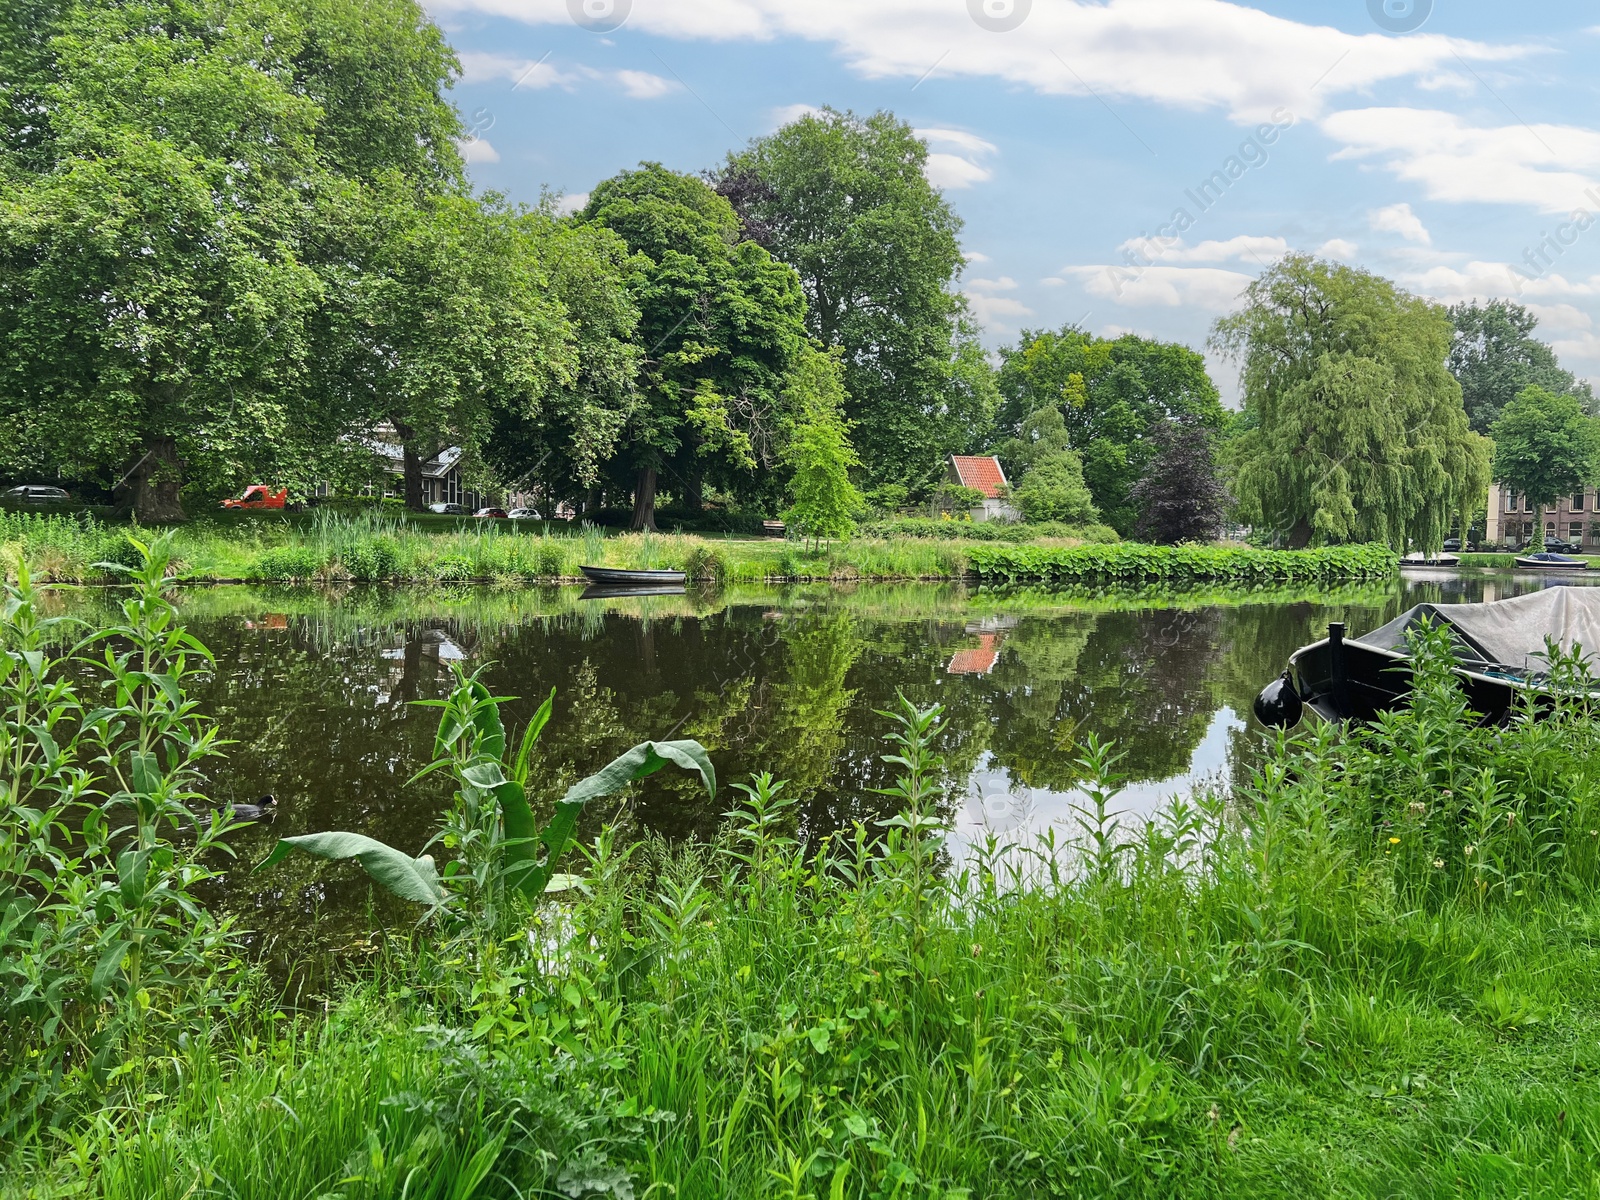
pixel 1180 497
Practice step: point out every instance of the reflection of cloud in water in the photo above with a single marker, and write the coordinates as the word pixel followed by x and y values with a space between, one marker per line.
pixel 997 804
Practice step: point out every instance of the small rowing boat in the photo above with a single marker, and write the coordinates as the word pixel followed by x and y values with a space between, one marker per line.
pixel 1546 561
pixel 614 577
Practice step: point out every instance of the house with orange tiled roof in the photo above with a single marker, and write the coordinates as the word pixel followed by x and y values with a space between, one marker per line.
pixel 983 473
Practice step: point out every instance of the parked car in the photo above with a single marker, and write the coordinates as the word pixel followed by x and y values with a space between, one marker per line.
pixel 1452 545
pixel 1553 544
pixel 450 510
pixel 35 495
pixel 499 513
pixel 525 514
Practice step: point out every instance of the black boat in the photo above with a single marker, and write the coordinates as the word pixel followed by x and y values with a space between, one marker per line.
pixel 1500 651
pixel 613 577
pixel 606 591
pixel 1546 561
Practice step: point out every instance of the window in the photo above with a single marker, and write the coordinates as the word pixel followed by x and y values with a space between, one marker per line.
pixel 1577 502
pixel 1575 532
pixel 1549 529
pixel 1511 502
pixel 1526 507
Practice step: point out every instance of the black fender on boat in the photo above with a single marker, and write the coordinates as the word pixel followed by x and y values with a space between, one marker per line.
pixel 1279 706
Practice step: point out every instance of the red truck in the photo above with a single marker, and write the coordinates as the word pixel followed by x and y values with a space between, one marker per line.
pixel 259 495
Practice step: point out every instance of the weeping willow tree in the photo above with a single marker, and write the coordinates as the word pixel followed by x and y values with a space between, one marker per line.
pixel 1353 428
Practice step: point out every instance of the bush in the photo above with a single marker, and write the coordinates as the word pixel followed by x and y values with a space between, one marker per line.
pixel 372 561
pixel 986 531
pixel 1133 563
pixel 1054 490
pixel 549 559
pixel 707 564
pixel 707 520
pixel 287 562
pixel 453 569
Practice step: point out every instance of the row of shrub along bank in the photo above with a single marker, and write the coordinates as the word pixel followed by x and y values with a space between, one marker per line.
pixel 1128 563
pixel 985 531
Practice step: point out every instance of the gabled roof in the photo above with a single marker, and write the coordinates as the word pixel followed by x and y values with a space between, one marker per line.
pixel 979 471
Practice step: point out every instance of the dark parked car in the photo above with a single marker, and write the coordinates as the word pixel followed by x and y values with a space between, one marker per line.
pixel 450 510
pixel 491 512
pixel 1452 545
pixel 1555 545
pixel 35 495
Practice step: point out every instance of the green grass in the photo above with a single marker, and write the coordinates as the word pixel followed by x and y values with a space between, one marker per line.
pixel 328 547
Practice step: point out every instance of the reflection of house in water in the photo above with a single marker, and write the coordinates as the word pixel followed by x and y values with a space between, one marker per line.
pixel 431 647
pixel 980 661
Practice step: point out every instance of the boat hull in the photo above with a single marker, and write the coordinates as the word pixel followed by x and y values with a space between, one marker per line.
pixel 612 577
pixel 1534 564
pixel 1375 681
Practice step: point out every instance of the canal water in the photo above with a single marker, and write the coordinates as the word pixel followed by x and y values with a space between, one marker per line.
pixel 316 689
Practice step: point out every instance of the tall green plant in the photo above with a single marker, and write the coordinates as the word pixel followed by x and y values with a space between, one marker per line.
pixel 106 952
pixel 500 848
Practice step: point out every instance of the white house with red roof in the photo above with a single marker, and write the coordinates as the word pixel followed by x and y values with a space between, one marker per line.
pixel 983 473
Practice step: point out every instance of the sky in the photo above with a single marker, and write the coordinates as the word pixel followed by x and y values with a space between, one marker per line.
pixel 1122 165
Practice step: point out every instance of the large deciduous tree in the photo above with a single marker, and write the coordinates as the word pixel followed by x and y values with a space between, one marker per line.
pixel 1545 446
pixel 846 202
pixel 1494 356
pixel 152 301
pixel 1109 394
pixel 1355 429
pixel 722 323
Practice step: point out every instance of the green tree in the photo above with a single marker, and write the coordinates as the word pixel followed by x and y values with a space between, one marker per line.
pixel 722 322
pixel 1109 395
pixel 1545 446
pixel 819 453
pixel 1494 356
pixel 845 201
pixel 1355 429
pixel 1054 490
pixel 152 304
pixel 442 320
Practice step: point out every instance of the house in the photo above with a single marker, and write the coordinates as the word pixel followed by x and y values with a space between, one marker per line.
pixel 442 479
pixel 983 473
pixel 1510 519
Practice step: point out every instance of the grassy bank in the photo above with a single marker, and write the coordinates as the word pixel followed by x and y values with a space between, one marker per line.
pixel 1373 971
pixel 330 548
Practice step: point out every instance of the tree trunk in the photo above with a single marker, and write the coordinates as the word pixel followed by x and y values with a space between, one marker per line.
pixel 694 494
pixel 1300 534
pixel 591 502
pixel 411 464
pixel 644 500
pixel 156 483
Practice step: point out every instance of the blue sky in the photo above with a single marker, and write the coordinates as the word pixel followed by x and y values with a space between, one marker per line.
pixel 1460 156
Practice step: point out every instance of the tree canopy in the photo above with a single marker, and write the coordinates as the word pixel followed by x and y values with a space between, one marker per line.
pixel 818 451
pixel 1355 430
pixel 1109 394
pixel 723 323
pixel 1180 496
pixel 1545 446
pixel 1494 356
pixel 845 201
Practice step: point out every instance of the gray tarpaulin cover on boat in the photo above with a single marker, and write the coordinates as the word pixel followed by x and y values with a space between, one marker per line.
pixel 1506 633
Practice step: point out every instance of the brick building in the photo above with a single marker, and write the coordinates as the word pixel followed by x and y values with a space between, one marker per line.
pixel 1511 518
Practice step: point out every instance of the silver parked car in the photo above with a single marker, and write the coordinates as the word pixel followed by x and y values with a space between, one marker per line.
pixel 525 514
pixel 35 495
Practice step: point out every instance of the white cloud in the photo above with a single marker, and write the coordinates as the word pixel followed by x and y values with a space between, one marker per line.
pixel 477 150
pixel 1261 250
pixel 971 143
pixel 1542 166
pixel 973 256
pixel 1486 280
pixel 571 203
pixel 1189 54
pixel 1398 218
pixel 1337 248
pixel 997 311
pixel 790 113
pixel 520 72
pixel 641 85
pixel 953 171
pixel 1004 284
pixel 1210 289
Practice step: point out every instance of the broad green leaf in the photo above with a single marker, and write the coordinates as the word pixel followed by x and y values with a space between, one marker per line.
pixel 409 878
pixel 519 770
pixel 644 759
pixel 146 774
pixel 486 716
pixel 110 963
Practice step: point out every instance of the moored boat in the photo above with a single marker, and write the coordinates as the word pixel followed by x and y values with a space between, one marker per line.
pixel 1500 651
pixel 615 577
pixel 1418 559
pixel 1546 561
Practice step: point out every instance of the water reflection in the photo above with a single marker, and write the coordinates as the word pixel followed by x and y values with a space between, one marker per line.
pixel 316 689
